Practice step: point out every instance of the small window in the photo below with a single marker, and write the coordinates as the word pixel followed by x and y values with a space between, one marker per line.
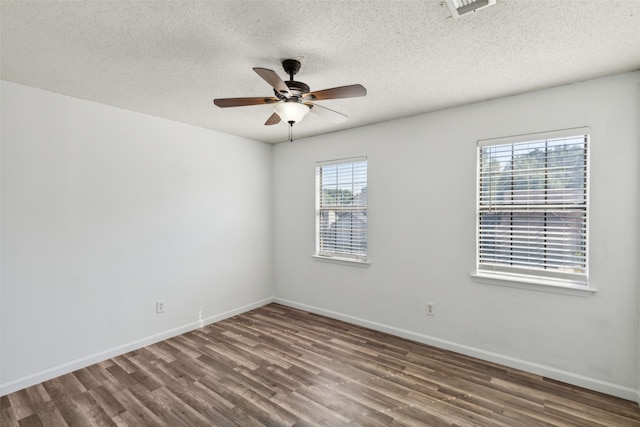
pixel 341 209
pixel 532 206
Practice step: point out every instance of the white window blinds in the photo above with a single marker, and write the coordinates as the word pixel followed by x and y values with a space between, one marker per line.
pixel 532 205
pixel 341 208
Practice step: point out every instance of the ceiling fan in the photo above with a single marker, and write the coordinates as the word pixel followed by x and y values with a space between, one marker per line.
pixel 293 99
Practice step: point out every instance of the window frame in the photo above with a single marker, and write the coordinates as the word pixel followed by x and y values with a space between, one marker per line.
pixel 337 256
pixel 531 278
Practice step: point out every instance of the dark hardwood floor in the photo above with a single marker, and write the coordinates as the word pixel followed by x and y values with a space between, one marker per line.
pixel 277 366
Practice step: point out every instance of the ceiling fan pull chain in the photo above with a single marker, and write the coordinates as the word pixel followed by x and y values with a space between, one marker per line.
pixel 290 131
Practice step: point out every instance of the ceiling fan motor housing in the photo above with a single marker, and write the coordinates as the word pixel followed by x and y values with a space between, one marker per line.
pixel 296 89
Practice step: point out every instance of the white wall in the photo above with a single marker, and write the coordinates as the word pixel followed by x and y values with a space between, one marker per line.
pixel 422 177
pixel 638 126
pixel 105 211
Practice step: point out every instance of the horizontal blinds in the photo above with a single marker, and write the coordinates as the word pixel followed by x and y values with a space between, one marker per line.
pixel 555 134
pixel 532 207
pixel 341 208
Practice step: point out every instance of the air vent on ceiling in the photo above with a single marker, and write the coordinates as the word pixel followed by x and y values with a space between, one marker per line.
pixel 461 7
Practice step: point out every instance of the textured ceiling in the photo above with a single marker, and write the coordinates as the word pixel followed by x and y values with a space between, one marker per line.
pixel 170 59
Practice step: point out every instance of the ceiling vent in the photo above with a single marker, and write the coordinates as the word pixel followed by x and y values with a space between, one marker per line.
pixel 462 7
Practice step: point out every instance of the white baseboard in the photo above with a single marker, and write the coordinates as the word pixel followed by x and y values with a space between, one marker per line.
pixel 83 362
pixel 546 371
pixel 523 365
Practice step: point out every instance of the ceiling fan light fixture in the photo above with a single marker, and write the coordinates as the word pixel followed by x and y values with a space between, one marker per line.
pixel 462 7
pixel 291 111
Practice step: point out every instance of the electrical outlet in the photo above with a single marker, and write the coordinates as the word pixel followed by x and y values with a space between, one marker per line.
pixel 160 306
pixel 430 309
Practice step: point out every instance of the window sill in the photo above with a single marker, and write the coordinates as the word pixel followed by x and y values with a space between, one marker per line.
pixel 345 261
pixel 534 284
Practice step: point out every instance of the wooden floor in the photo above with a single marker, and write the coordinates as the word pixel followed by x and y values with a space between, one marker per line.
pixel 277 366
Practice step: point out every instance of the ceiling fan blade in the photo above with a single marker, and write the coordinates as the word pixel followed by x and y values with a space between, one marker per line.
pixel 273 120
pixel 327 113
pixel 273 79
pixel 350 91
pixel 242 102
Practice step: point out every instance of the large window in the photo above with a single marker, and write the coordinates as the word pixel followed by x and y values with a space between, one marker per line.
pixel 532 206
pixel 341 209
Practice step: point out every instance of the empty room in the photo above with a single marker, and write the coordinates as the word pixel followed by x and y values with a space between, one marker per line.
pixel 320 213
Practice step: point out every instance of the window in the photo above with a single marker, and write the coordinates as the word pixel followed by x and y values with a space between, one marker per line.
pixel 532 207
pixel 341 209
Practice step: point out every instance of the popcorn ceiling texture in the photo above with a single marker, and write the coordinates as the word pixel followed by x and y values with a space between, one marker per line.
pixel 170 59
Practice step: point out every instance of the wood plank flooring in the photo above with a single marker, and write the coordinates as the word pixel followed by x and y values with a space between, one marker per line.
pixel 277 366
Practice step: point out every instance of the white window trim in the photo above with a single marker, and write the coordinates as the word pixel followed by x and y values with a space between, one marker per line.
pixel 339 260
pixel 562 287
pixel 530 282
